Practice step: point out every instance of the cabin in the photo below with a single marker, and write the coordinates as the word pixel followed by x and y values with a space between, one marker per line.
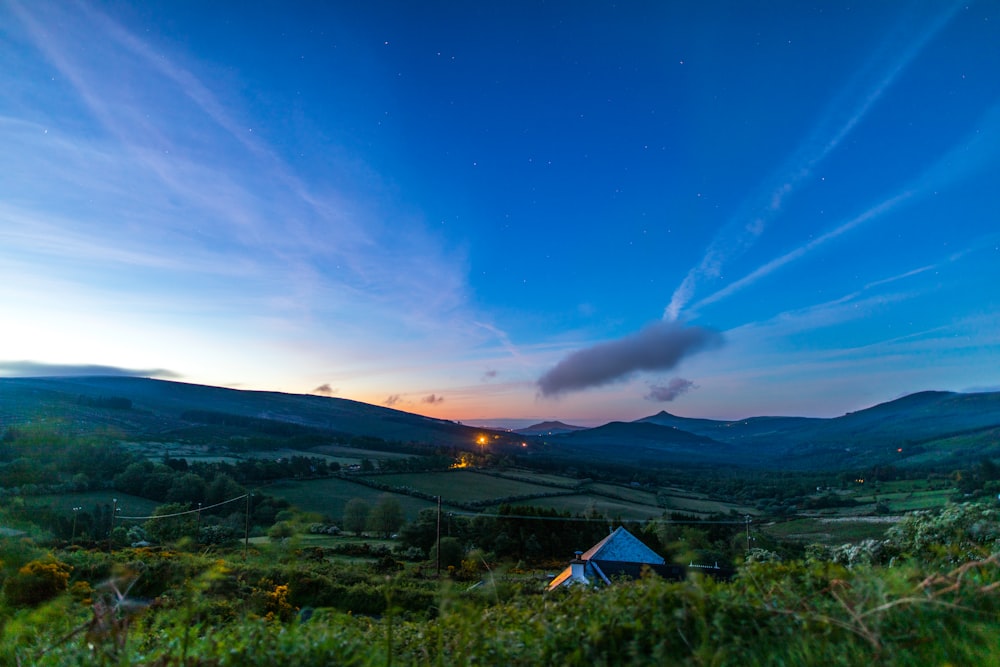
pixel 620 554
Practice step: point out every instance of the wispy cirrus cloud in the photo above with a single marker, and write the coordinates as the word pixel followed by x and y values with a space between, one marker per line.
pixel 777 263
pixel 163 192
pixel 843 115
pixel 972 153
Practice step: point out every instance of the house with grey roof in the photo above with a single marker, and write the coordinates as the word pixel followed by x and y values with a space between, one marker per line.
pixel 620 554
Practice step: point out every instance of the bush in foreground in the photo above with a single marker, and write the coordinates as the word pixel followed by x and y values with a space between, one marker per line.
pixel 788 613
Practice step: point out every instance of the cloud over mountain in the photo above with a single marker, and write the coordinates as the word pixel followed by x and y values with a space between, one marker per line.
pixel 657 347
pixel 670 391
pixel 39 369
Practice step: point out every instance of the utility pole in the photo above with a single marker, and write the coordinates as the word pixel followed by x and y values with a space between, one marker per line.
pixel 438 550
pixel 197 532
pixel 246 531
pixel 76 512
pixel 748 533
pixel 114 511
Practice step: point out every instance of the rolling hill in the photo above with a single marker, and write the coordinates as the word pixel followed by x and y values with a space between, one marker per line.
pixel 918 429
pixel 549 428
pixel 166 409
pixel 642 443
pixel 890 432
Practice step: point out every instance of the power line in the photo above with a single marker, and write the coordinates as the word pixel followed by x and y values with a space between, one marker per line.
pixel 194 511
pixel 693 522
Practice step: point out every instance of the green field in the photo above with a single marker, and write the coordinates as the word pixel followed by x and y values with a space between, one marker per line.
pixel 899 496
pixel 463 485
pixel 64 503
pixel 628 493
pixel 329 496
pixel 541 478
pixel 831 531
pixel 921 501
pixel 582 504
pixel 343 453
pixel 696 506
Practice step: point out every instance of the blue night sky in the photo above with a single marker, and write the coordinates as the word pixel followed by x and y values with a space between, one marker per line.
pixel 576 210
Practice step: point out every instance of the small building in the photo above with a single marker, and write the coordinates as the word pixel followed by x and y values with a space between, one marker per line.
pixel 620 554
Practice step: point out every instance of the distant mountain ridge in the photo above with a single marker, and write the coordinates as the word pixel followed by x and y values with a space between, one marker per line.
pixel 924 428
pixel 549 428
pixel 916 416
pixel 888 432
pixel 642 443
pixel 160 406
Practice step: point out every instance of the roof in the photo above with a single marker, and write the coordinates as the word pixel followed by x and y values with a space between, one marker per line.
pixel 620 554
pixel 622 546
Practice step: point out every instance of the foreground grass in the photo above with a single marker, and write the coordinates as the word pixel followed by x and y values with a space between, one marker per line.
pixel 772 614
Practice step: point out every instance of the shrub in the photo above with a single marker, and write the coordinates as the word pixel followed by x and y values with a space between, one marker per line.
pixel 451 552
pixel 956 534
pixel 280 531
pixel 37 582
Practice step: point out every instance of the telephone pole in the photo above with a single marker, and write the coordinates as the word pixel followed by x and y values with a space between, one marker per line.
pixel 438 549
pixel 76 512
pixel 114 511
pixel 246 530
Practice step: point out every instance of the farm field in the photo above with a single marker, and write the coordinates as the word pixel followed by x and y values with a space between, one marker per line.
pixel 706 506
pixel 828 530
pixel 343 454
pixel 329 496
pixel 540 478
pixel 329 542
pixel 463 485
pixel 128 505
pixel 582 504
pixel 623 492
pixel 155 451
pixel 904 501
pixel 930 500
pixel 276 454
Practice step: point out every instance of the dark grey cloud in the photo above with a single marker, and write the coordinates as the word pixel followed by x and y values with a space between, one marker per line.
pixel 392 400
pixel 432 399
pixel 324 390
pixel 668 392
pixel 40 369
pixel 657 347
